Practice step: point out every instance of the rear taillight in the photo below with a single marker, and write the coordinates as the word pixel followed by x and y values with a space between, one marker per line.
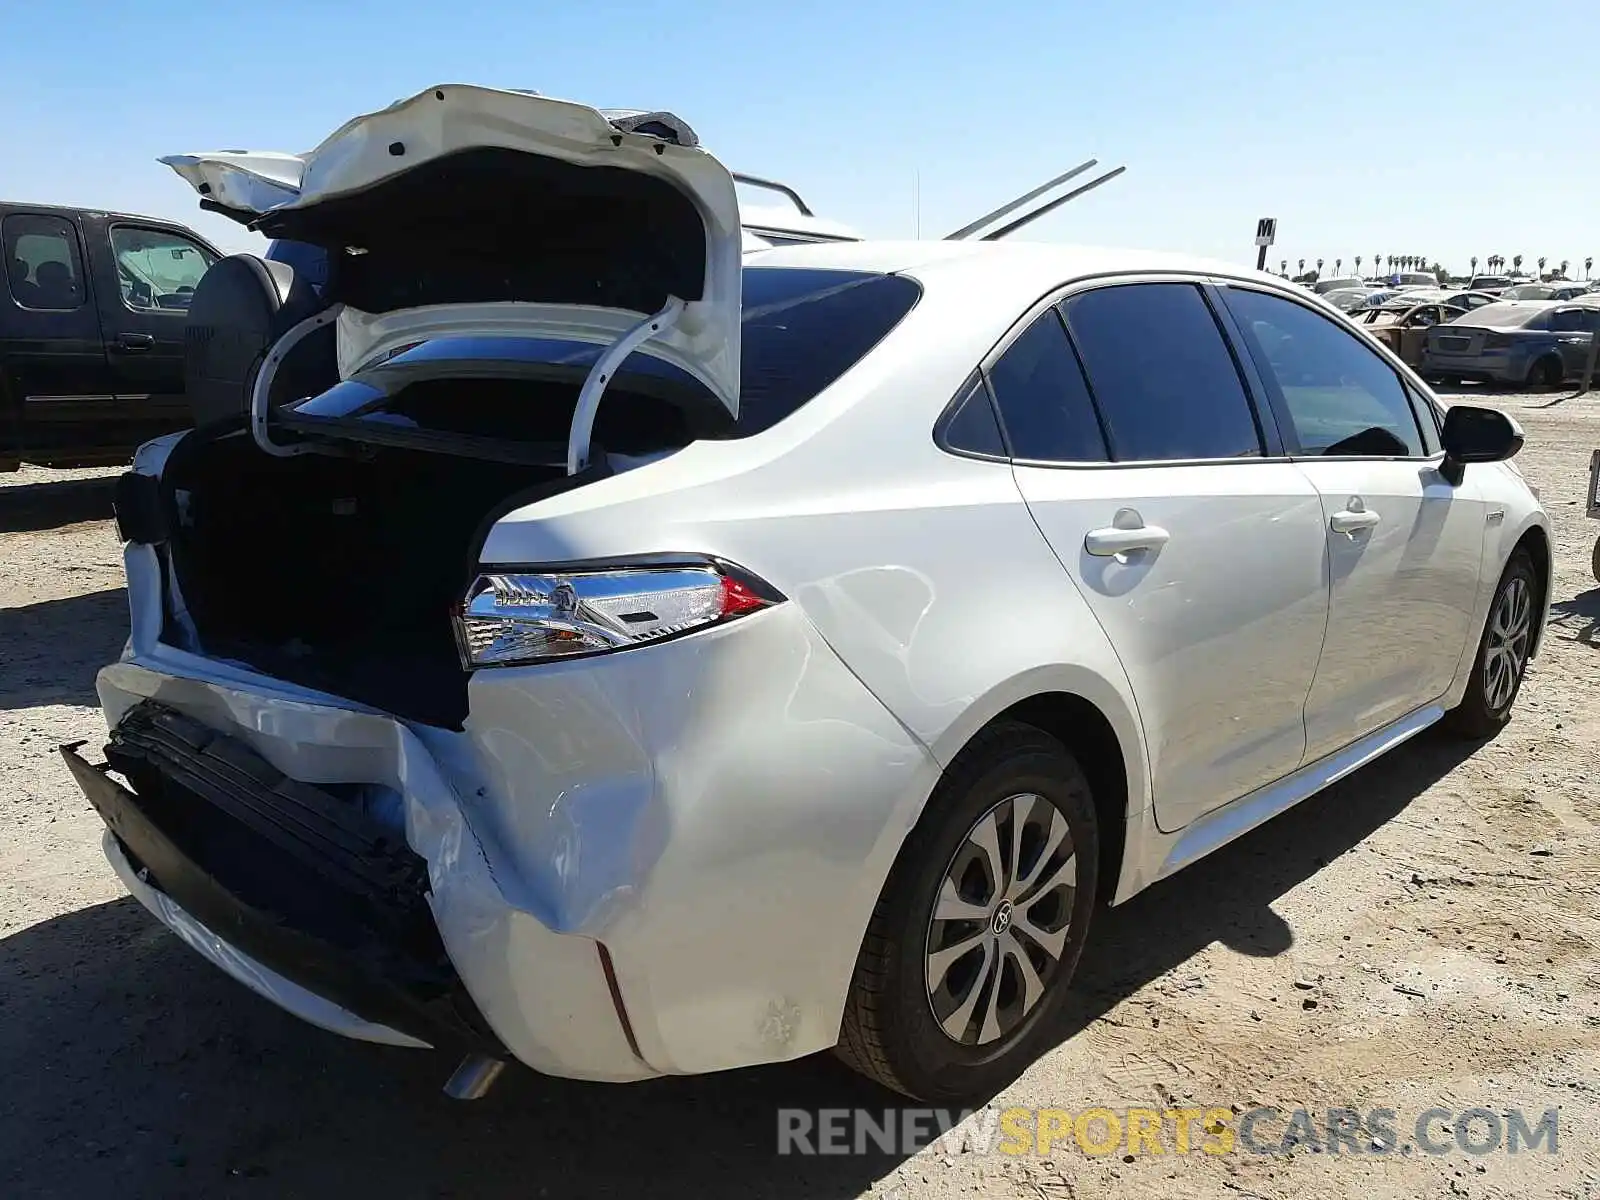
pixel 524 617
pixel 1496 341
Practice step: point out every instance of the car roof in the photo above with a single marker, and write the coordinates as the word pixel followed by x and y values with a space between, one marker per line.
pixel 1040 265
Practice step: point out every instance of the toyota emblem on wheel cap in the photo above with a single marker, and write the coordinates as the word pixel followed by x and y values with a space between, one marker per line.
pixel 1001 921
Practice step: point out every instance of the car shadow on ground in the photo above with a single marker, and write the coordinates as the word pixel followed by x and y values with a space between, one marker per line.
pixel 35 506
pixel 136 1069
pixel 1577 619
pixel 55 647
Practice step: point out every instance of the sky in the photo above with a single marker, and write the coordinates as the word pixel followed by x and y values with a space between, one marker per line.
pixel 1447 129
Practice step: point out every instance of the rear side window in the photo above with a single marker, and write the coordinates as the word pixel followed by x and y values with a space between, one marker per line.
pixel 43 268
pixel 1342 399
pixel 804 328
pixel 1164 380
pixel 1042 397
pixel 971 427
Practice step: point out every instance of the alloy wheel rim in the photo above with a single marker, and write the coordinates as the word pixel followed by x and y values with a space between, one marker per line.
pixel 1000 921
pixel 1510 629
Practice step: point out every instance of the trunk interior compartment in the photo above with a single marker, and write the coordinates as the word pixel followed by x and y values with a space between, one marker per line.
pixel 341 574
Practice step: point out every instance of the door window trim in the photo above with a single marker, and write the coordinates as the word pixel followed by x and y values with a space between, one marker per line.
pixel 183 235
pixel 1275 450
pixel 1408 389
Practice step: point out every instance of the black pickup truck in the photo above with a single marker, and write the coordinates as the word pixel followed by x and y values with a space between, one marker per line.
pixel 92 316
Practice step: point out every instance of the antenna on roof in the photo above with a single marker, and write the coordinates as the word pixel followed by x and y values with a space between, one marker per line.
pixel 1010 207
pixel 1052 206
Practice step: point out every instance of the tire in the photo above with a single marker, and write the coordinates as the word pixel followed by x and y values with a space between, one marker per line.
pixel 1594 560
pixel 1546 373
pixel 1486 707
pixel 891 1030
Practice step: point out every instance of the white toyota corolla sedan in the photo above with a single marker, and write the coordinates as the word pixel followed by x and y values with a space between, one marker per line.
pixel 568 640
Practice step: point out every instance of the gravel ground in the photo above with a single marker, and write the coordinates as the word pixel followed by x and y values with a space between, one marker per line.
pixel 1425 933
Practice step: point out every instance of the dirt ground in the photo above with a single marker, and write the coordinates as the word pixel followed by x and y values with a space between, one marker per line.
pixel 1425 933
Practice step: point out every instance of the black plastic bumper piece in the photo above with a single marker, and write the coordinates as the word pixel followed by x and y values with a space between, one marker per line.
pixel 136 504
pixel 298 877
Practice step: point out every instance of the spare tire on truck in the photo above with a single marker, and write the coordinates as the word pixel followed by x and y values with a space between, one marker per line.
pixel 241 307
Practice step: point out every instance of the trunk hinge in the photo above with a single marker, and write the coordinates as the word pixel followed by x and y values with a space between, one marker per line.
pixel 262 389
pixel 600 374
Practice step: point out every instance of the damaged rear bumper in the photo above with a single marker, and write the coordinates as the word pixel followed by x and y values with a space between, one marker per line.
pixel 289 888
pixel 627 885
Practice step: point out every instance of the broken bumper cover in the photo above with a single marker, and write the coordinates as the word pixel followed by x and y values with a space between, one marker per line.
pixel 627 886
pixel 292 890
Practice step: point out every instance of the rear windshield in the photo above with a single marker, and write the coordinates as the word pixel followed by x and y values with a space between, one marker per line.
pixel 802 329
pixel 1528 291
pixel 1512 316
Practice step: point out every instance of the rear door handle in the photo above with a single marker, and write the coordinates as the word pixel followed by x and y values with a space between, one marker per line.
pixel 1104 543
pixel 1350 520
pixel 135 343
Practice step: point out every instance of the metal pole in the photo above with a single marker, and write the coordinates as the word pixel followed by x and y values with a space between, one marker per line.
pixel 1261 258
pixel 1051 207
pixel 1019 201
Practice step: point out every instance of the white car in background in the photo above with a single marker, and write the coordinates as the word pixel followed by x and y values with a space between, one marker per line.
pixel 630 657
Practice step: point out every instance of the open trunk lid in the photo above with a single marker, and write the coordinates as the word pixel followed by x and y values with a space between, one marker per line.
pixel 467 210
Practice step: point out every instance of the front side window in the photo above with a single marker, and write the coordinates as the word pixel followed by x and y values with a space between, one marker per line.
pixel 1043 400
pixel 157 270
pixel 43 268
pixel 1163 378
pixel 1341 397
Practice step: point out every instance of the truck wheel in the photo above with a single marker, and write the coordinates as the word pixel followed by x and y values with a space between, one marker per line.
pixel 1594 562
pixel 964 971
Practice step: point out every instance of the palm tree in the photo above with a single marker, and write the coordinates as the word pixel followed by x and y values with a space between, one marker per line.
pixel 1565 263
pixel 1283 266
pixel 1587 263
pixel 1319 268
pixel 1474 264
pixel 1516 264
pixel 1541 266
pixel 1302 266
pixel 1337 263
pixel 1358 264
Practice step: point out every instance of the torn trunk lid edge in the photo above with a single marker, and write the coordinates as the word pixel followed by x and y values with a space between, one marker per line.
pixel 669 253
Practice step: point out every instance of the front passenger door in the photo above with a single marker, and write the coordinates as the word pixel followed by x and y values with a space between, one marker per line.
pixel 1403 546
pixel 144 291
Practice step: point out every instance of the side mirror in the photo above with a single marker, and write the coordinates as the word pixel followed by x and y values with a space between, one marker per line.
pixel 1476 435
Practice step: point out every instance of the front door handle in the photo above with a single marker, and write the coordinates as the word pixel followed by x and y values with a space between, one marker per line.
pixel 1356 517
pixel 135 343
pixel 1113 540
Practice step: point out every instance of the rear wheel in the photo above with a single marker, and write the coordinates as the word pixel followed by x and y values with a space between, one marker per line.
pixel 967 960
pixel 1594 561
pixel 1546 373
pixel 1502 654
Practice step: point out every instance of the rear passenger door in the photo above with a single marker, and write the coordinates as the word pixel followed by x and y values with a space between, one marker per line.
pixel 1196 544
pixel 53 374
pixel 1403 545
pixel 1574 327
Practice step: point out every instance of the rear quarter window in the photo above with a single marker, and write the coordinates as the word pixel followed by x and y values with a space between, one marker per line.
pixel 804 328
